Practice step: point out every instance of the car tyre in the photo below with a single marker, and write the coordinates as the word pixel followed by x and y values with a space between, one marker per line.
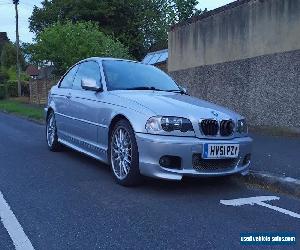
pixel 51 133
pixel 123 155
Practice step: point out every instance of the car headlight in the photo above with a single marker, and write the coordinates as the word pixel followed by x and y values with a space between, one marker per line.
pixel 168 124
pixel 242 126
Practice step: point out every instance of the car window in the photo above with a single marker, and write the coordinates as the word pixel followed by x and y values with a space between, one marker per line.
pixel 129 75
pixel 69 77
pixel 87 70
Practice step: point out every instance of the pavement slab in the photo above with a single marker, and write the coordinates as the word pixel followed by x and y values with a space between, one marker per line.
pixel 276 154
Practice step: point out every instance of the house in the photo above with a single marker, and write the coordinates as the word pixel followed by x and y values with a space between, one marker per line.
pixel 45 73
pixel 157 58
pixel 32 71
pixel 3 38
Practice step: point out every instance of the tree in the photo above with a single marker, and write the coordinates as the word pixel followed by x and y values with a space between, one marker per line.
pixel 3 76
pixel 138 24
pixel 63 44
pixel 8 56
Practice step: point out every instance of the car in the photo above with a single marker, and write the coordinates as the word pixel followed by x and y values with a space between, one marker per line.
pixel 139 121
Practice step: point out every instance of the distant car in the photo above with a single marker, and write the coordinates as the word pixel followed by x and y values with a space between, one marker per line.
pixel 135 118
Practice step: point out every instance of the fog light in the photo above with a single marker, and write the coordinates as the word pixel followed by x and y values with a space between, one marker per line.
pixel 247 159
pixel 169 161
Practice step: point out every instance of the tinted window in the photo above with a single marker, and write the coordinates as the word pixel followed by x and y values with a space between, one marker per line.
pixel 69 77
pixel 87 70
pixel 128 75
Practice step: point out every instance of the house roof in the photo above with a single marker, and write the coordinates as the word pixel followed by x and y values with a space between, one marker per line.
pixel 3 37
pixel 32 70
pixel 156 57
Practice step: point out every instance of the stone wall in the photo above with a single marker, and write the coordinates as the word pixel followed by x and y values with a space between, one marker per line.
pixel 265 89
pixel 245 56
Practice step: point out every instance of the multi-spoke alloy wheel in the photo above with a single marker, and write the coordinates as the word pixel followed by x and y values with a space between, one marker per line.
pixel 51 133
pixel 121 153
pixel 51 130
pixel 124 154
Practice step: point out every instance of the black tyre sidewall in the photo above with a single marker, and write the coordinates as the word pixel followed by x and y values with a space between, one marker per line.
pixel 56 145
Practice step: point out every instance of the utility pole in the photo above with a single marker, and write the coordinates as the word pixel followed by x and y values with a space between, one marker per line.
pixel 16 2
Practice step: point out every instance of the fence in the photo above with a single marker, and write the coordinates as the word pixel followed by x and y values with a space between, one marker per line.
pixel 39 89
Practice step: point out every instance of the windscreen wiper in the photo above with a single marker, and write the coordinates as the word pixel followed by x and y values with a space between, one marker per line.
pixel 180 91
pixel 144 88
pixel 155 89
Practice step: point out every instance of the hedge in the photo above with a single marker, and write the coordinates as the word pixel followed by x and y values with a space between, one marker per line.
pixel 10 89
pixel 2 91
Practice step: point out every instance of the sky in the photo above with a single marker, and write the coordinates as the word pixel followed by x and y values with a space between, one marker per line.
pixel 7 16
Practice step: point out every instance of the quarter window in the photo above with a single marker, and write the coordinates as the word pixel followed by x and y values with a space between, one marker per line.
pixel 87 70
pixel 67 81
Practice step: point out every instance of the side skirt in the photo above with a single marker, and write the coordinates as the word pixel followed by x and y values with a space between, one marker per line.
pixel 70 145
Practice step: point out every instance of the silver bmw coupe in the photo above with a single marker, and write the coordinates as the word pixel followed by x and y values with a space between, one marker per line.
pixel 135 118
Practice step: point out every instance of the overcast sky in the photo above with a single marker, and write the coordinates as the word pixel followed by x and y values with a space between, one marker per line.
pixel 7 16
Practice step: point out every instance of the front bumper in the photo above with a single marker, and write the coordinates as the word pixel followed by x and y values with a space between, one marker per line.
pixel 153 147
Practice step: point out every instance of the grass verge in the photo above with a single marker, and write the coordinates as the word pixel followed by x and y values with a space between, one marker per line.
pixel 22 109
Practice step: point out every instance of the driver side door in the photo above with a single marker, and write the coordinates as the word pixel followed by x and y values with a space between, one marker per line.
pixel 85 109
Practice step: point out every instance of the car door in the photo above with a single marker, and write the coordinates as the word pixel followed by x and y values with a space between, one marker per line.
pixel 85 109
pixel 62 103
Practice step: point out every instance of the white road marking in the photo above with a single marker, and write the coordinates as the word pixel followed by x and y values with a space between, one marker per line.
pixel 13 227
pixel 259 200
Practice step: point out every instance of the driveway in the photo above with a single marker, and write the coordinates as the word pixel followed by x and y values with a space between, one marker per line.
pixel 65 200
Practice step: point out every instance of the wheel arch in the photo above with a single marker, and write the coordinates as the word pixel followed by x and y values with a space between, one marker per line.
pixel 113 122
pixel 135 172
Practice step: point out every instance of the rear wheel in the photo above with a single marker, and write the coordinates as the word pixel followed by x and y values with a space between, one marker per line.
pixel 51 133
pixel 123 154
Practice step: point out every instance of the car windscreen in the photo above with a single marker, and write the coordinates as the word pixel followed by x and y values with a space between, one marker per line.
pixel 121 75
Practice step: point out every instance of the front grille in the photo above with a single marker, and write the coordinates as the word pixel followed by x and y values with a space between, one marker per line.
pixel 209 127
pixel 226 127
pixel 212 165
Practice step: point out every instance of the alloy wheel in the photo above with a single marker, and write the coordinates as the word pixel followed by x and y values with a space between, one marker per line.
pixel 121 152
pixel 51 130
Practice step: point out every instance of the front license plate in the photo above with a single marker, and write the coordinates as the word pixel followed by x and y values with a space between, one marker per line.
pixel 215 151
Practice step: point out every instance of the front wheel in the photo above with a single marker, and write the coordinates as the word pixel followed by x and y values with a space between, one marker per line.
pixel 51 133
pixel 123 155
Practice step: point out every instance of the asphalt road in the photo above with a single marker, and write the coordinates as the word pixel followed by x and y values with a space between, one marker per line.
pixel 68 201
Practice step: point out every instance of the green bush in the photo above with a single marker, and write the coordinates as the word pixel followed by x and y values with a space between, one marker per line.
pixel 12 88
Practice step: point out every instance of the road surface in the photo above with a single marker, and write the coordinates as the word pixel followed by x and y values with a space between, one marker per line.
pixel 66 200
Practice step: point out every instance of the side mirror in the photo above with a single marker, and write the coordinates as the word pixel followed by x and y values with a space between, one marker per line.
pixel 183 89
pixel 90 84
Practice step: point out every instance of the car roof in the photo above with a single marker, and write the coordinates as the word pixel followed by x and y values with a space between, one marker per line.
pixel 99 59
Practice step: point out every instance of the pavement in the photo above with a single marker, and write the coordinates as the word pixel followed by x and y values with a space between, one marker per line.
pixel 66 200
pixel 276 154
